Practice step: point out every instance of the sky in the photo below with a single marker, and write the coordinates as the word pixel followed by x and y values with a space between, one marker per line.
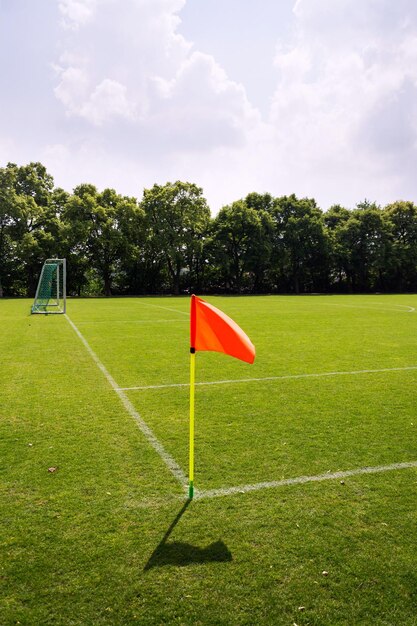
pixel 312 97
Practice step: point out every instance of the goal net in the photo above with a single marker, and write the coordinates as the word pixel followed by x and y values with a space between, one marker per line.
pixel 51 294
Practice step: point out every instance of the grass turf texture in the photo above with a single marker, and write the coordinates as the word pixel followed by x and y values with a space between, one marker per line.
pixel 105 539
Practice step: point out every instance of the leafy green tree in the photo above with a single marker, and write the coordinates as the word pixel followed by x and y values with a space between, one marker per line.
pixel 260 201
pixel 401 220
pixel 169 243
pixel 339 259
pixel 7 201
pixel 5 260
pixel 300 244
pixel 100 229
pixel 241 246
pixel 365 241
pixel 33 228
pixel 177 217
pixel 73 252
pixel 335 217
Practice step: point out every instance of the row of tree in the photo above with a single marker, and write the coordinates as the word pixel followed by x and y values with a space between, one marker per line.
pixel 169 243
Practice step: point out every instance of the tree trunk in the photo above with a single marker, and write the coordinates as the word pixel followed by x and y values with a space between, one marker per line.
pixel 296 284
pixel 175 277
pixel 107 284
pixel 176 284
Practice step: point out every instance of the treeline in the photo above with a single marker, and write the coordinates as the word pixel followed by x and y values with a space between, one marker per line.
pixel 168 242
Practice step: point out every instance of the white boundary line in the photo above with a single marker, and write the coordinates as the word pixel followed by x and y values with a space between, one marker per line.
pixel 166 308
pixel 176 470
pixel 150 321
pixel 229 491
pixel 169 461
pixel 285 377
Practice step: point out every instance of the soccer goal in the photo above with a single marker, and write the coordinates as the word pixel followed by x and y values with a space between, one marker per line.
pixel 51 293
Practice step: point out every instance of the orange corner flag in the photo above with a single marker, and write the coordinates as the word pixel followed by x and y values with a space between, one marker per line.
pixel 211 329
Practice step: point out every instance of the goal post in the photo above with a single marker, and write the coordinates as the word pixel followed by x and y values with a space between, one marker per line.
pixel 51 293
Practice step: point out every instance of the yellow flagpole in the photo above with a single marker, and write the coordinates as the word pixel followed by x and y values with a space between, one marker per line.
pixel 191 459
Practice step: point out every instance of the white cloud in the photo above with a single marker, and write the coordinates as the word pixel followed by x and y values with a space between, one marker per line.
pixel 76 13
pixel 201 108
pixel 73 88
pixel 132 101
pixel 345 105
pixel 106 101
pixel 109 99
pixel 143 71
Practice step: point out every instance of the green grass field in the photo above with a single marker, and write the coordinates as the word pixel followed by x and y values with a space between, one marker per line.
pixel 108 537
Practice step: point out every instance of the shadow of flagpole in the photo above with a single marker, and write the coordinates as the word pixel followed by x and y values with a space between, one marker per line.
pixel 180 553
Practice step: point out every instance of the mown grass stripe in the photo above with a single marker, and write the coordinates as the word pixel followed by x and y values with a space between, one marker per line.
pixel 272 378
pixel 230 491
pixel 169 461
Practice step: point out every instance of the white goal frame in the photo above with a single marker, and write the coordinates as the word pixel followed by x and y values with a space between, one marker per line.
pixel 53 303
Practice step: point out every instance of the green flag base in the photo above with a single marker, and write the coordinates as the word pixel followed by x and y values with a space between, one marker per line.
pixel 191 490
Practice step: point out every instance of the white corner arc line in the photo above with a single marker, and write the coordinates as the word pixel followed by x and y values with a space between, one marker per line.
pixel 169 461
pixel 229 491
pixel 410 309
pixel 266 378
